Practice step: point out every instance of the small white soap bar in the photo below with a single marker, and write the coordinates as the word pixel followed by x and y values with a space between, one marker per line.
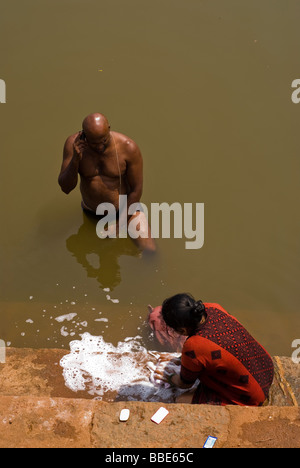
pixel 160 415
pixel 124 415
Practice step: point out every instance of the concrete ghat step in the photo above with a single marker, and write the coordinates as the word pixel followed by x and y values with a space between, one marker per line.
pixel 37 410
pixel 36 372
pixel 33 422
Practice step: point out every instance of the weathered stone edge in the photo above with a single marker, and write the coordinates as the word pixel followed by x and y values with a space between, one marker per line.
pixel 32 422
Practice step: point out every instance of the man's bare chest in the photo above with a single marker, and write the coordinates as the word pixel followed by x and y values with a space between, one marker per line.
pixel 111 166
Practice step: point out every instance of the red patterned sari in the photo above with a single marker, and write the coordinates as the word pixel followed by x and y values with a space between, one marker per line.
pixel 233 368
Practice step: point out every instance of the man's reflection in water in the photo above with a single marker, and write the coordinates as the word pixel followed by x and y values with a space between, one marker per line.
pixel 105 253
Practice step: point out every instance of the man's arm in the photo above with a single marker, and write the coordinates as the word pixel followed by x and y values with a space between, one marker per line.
pixel 68 177
pixel 134 174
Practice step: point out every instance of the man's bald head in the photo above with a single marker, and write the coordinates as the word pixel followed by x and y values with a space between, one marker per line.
pixel 97 132
pixel 95 126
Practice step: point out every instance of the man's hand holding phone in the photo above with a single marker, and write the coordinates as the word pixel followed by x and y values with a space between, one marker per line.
pixel 80 144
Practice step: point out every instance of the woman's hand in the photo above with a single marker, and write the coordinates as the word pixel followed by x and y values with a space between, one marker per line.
pixel 160 376
pixel 165 368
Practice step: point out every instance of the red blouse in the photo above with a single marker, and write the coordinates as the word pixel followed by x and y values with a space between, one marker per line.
pixel 232 366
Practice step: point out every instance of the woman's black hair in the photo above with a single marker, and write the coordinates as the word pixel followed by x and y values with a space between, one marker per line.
pixel 182 311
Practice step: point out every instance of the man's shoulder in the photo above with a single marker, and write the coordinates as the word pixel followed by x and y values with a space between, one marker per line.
pixel 126 143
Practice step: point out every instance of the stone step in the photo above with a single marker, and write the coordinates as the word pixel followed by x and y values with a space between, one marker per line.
pixel 285 390
pixel 37 372
pixel 33 422
pixel 37 410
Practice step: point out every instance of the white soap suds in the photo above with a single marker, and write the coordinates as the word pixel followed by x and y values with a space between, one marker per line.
pixel 63 331
pixel 67 317
pixel 99 368
pixel 93 365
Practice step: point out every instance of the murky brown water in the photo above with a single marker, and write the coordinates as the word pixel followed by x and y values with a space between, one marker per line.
pixel 204 87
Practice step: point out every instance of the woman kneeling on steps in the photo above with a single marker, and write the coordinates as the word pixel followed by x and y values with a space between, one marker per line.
pixel 233 368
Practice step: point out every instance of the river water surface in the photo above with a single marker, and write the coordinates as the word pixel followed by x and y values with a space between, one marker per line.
pixel 204 88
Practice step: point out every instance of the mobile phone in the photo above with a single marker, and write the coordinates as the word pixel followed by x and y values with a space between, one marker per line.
pixel 82 136
pixel 210 442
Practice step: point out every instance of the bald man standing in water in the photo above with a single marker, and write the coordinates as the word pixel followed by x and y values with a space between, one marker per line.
pixel 109 164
